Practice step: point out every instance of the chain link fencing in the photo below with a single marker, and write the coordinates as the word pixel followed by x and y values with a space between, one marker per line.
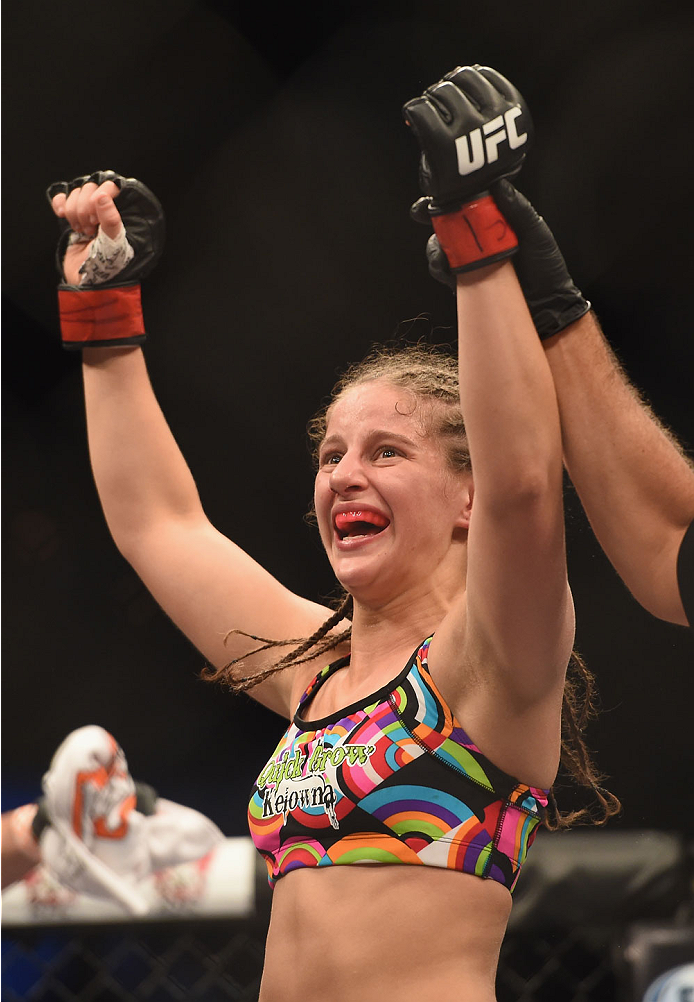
pixel 597 917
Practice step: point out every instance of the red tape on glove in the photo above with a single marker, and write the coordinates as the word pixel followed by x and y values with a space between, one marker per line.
pixel 475 235
pixel 101 317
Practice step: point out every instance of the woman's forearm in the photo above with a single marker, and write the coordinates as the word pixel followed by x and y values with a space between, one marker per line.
pixel 140 473
pixel 506 389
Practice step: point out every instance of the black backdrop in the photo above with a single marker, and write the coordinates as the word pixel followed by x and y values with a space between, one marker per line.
pixel 274 140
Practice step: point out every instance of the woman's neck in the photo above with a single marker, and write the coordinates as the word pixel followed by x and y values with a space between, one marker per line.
pixel 388 634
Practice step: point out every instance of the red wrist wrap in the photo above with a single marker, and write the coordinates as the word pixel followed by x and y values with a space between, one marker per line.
pixel 101 317
pixel 475 235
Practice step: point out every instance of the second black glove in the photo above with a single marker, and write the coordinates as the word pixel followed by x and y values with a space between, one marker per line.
pixel 553 299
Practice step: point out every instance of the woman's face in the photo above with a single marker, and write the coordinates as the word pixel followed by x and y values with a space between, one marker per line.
pixel 391 512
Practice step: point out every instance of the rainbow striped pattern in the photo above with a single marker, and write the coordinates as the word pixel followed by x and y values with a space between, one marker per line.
pixel 392 779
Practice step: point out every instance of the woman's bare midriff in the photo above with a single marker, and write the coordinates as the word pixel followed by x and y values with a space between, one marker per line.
pixel 383 934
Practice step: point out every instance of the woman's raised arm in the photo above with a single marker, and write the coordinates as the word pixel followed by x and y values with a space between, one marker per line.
pixel 204 582
pixel 519 609
pixel 516 626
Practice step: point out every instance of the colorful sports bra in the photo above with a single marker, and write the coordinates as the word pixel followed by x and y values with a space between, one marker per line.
pixel 391 779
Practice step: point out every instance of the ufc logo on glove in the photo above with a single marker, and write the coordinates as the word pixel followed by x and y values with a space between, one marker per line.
pixel 471 148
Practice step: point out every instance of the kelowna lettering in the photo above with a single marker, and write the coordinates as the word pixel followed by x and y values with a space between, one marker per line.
pixel 299 781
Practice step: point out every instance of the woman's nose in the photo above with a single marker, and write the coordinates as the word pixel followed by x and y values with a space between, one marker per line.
pixel 348 476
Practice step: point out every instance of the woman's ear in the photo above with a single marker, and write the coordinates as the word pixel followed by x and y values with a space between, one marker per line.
pixel 468 490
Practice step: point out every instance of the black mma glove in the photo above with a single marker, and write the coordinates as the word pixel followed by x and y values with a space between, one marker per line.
pixel 108 310
pixel 553 299
pixel 473 128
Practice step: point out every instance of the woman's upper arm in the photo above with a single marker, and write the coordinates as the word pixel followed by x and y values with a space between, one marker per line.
pixel 519 616
pixel 209 586
pixel 500 656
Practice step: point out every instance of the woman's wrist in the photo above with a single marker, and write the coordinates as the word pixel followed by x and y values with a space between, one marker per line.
pixel 96 357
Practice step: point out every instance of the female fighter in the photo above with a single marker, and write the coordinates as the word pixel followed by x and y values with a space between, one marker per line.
pixel 398 806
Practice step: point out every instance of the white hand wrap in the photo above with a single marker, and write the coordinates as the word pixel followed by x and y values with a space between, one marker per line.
pixel 107 257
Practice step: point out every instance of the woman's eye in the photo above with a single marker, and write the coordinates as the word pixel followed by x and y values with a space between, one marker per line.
pixel 331 459
pixel 387 452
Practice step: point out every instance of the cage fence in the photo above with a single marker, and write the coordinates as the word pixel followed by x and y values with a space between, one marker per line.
pixel 597 917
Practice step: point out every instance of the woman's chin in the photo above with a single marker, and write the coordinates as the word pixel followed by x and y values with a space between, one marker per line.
pixel 362 578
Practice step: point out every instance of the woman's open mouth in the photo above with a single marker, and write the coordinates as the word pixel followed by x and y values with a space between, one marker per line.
pixel 359 524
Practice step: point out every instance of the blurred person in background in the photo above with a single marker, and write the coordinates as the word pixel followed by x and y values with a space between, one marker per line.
pixel 97 831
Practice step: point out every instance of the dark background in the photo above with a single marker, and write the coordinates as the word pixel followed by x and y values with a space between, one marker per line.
pixel 275 142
